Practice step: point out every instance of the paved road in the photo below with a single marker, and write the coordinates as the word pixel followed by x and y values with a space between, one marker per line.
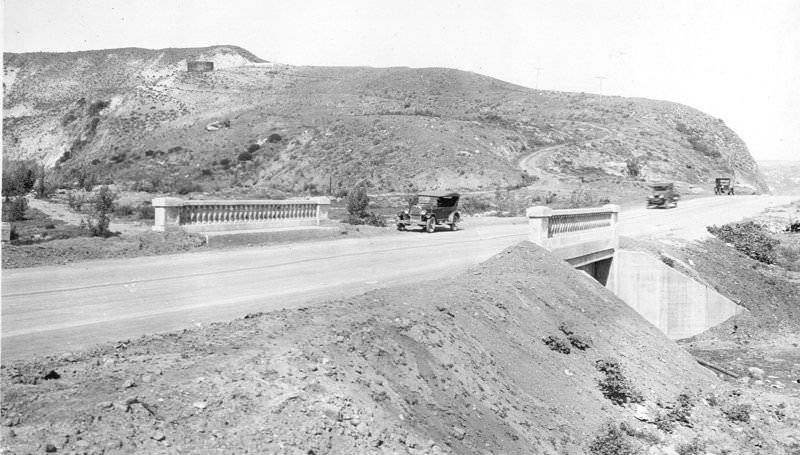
pixel 60 308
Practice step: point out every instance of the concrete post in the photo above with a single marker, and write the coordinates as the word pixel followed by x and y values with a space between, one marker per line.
pixel 539 222
pixel 614 209
pixel 323 205
pixel 6 232
pixel 167 213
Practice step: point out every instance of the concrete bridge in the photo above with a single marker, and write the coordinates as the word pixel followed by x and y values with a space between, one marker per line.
pixel 586 238
pixel 665 297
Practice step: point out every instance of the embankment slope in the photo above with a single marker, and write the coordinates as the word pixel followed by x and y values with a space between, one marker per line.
pixel 449 366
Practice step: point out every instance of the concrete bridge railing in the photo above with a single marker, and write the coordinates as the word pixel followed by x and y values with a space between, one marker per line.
pixel 585 238
pixel 222 215
pixel 578 236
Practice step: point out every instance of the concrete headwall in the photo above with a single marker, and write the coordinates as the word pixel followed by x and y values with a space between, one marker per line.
pixel 199 66
pixel 668 299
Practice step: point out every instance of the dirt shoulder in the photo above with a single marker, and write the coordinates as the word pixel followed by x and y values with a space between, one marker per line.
pixel 502 359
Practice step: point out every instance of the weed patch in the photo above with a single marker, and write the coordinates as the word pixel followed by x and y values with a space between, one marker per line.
pixel 556 344
pixel 749 238
pixel 614 385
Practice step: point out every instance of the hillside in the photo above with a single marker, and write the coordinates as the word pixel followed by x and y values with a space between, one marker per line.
pixel 783 177
pixel 138 117
pixel 502 359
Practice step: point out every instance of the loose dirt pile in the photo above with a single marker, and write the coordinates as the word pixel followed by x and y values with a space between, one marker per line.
pixel 502 359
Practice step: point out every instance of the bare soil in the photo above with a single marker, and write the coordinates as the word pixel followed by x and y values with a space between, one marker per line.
pixel 457 366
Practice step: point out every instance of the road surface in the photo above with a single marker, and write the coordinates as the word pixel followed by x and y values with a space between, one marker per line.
pixel 53 309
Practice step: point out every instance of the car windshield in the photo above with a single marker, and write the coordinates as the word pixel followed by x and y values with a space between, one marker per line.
pixel 660 188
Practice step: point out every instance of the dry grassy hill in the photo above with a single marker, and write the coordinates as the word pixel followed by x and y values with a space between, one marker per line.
pixel 139 117
pixel 783 176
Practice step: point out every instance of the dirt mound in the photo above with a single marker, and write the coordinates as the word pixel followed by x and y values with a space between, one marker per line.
pixel 519 355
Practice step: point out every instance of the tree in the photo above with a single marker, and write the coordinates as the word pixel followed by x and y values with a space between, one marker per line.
pixel 103 208
pixel 357 200
pixel 634 166
pixel 18 178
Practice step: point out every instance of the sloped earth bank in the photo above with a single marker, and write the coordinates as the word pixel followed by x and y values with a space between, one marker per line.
pixel 767 337
pixel 453 366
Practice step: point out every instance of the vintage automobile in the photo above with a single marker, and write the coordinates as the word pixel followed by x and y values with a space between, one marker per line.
pixel 722 185
pixel 431 210
pixel 664 196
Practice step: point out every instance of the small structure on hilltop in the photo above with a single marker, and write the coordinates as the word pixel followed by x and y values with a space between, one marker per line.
pixel 199 66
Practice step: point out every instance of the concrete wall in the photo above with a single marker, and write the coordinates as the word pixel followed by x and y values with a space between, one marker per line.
pixel 199 66
pixel 668 299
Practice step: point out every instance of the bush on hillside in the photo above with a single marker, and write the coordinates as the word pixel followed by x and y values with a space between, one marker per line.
pixel 634 167
pixel 18 178
pixel 738 413
pixel 245 156
pixel 612 440
pixel 614 385
pixel 748 238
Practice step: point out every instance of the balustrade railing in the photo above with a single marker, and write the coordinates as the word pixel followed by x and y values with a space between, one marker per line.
pixel 568 223
pixel 574 232
pixel 237 214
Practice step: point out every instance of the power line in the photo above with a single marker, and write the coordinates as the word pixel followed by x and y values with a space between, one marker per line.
pixel 600 78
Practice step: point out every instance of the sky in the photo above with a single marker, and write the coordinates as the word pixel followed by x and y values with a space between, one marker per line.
pixel 738 60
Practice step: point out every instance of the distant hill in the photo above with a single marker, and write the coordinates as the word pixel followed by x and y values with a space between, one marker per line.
pixel 139 117
pixel 782 176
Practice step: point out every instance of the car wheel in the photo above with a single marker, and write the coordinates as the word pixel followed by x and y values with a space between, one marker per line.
pixel 431 226
pixel 401 227
pixel 453 224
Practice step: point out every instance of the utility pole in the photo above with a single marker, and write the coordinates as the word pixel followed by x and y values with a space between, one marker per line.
pixel 538 73
pixel 600 78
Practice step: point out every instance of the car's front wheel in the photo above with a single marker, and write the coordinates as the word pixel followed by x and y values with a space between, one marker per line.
pixel 431 226
pixel 401 227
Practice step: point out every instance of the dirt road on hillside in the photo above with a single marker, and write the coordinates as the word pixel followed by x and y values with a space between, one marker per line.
pixel 53 309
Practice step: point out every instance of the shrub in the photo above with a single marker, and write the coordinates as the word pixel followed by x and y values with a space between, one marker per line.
pixel 206 172
pixel 97 106
pixel 253 148
pixel 614 385
pixel 748 238
pixel 612 440
pixel 123 210
pixel 189 187
pixel 225 162
pixel 680 413
pixel 556 344
pixel 696 447
pixel 15 209
pixel 737 413
pixel 274 137
pixel 245 156
pixel 18 178
pixel 357 201
pixel 75 202
pixel 577 341
pixel 634 167
pixel 145 211
pixel 103 208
